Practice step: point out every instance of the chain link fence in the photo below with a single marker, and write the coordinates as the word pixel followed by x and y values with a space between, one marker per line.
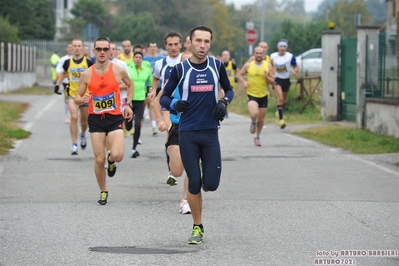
pixel 382 78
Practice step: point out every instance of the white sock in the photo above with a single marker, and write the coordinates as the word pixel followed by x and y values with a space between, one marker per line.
pixel 133 151
pixel 154 123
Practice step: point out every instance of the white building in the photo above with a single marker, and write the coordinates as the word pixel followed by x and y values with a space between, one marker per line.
pixel 62 11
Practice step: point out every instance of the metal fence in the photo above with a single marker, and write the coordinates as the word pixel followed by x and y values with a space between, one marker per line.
pixel 44 49
pixel 17 58
pixel 382 78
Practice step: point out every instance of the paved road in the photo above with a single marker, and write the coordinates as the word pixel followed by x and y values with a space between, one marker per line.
pixel 277 205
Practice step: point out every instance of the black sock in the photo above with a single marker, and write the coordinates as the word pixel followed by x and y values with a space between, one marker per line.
pixel 200 226
pixel 280 110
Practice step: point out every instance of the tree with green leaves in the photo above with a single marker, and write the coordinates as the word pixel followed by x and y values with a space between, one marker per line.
pixel 34 18
pixel 90 12
pixel 301 37
pixel 8 32
pixel 224 27
pixel 343 14
pixel 376 8
pixel 139 29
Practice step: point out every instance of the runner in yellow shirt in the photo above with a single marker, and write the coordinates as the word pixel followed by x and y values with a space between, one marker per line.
pixel 127 54
pixel 73 69
pixel 259 75
pixel 265 47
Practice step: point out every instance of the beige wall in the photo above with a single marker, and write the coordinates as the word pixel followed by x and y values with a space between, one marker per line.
pixel 382 116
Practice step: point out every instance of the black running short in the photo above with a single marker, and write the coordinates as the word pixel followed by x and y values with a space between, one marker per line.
pixel 262 102
pixel 173 135
pixel 105 123
pixel 284 83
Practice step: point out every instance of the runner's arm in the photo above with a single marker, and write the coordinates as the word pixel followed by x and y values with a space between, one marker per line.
pixel 128 113
pixel 270 75
pixel 225 83
pixel 62 70
pixel 124 66
pixel 157 106
pixel 170 86
pixel 61 77
pixel 81 97
pixel 155 83
pixel 129 84
pixel 241 73
pixel 295 65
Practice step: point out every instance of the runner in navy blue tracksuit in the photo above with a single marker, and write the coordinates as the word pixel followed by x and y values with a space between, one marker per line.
pixel 201 111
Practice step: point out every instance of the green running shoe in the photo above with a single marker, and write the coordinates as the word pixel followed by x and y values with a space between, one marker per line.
pixel 171 180
pixel 103 198
pixel 111 169
pixel 197 235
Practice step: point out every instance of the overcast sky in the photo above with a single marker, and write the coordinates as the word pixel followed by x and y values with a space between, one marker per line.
pixel 310 5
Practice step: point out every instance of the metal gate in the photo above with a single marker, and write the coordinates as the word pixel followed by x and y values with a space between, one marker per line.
pixel 348 74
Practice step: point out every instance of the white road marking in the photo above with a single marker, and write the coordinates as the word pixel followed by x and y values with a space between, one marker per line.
pixel 29 125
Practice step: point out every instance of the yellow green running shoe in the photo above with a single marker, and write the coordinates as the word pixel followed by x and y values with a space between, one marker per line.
pixel 197 235
pixel 111 169
pixel 103 198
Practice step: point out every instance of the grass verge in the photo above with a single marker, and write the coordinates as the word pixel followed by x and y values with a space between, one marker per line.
pixel 9 130
pixel 397 164
pixel 358 141
pixel 31 90
pixel 293 112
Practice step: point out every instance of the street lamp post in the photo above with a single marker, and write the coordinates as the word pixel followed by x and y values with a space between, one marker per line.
pixel 262 24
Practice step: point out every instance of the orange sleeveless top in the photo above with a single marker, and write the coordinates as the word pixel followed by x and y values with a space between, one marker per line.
pixel 105 93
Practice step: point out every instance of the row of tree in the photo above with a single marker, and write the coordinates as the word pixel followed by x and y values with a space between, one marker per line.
pixel 143 21
pixel 27 19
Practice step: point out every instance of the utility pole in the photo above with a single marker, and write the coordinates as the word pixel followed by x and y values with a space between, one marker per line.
pixel 262 24
pixel 250 26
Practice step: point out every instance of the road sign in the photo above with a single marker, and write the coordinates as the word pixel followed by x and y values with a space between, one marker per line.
pixel 251 36
pixel 91 32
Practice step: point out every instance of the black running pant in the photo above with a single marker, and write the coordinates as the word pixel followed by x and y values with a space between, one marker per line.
pixel 204 145
pixel 138 112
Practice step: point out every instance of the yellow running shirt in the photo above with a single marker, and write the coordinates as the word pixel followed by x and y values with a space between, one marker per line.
pixel 123 57
pixel 75 70
pixel 231 74
pixel 257 83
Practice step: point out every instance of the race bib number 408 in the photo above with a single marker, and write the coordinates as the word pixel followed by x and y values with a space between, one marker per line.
pixel 104 103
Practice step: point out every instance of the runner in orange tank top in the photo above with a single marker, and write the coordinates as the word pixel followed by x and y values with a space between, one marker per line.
pixel 105 115
pixel 105 93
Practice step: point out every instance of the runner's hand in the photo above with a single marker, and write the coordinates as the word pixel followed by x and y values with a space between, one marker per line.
pixel 181 106
pixel 56 89
pixel 128 114
pixel 151 95
pixel 86 98
pixel 161 126
pixel 219 112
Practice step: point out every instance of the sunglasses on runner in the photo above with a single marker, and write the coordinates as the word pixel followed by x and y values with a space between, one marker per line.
pixel 99 49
